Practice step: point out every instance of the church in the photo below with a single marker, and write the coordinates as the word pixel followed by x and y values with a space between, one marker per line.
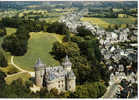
pixel 60 77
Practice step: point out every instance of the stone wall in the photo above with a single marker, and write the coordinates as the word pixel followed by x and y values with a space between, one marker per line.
pixel 59 84
pixel 39 77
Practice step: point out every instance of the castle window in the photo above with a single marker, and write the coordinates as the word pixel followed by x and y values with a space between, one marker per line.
pixel 59 86
pixel 58 81
pixel 62 85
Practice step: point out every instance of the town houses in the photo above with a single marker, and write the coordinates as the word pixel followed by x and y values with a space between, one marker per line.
pixel 116 45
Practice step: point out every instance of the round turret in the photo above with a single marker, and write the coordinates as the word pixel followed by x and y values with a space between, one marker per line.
pixel 39 64
pixel 39 70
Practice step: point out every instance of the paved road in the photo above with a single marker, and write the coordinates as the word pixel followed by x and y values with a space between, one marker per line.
pixel 20 69
pixel 111 90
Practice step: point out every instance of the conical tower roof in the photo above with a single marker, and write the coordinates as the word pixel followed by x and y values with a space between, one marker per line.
pixel 66 61
pixel 39 63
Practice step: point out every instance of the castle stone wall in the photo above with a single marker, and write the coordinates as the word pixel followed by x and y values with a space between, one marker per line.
pixel 38 78
pixel 58 84
pixel 71 85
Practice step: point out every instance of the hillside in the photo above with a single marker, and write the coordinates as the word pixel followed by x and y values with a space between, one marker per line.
pixel 39 45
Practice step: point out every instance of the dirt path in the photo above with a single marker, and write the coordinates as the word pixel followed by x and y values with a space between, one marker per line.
pixel 14 74
pixel 20 69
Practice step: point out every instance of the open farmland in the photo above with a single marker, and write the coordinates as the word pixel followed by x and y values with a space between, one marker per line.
pixel 105 22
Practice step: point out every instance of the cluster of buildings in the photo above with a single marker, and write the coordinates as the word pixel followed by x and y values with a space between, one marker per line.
pixel 110 47
pixel 119 75
pixel 108 40
pixel 72 21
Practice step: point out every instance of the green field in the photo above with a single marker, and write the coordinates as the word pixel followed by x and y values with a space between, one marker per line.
pixel 105 22
pixel 10 30
pixel 40 45
pixel 119 20
pixel 24 76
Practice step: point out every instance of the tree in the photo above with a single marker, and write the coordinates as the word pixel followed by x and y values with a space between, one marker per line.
pixel 57 27
pixel 22 33
pixel 2 83
pixel 2 30
pixel 3 60
pixel 17 43
pixel 14 45
pixel 54 91
pixel 60 50
pixel 77 39
pixel 45 28
pixel 91 49
pixel 135 89
pixel 67 38
pixel 81 92
pixel 90 90
pixel 44 93
pixel 2 78
pixel 82 31
pixel 71 49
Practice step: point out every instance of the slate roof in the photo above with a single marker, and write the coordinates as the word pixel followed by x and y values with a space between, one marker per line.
pixel 39 63
pixel 56 72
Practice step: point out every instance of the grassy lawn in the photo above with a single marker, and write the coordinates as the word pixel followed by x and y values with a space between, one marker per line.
pixel 24 76
pixel 104 22
pixel 10 30
pixel 39 45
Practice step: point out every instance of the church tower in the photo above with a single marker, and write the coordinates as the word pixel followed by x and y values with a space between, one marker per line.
pixel 67 64
pixel 39 71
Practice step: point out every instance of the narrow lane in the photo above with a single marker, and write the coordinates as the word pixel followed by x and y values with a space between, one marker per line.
pixel 111 90
pixel 20 69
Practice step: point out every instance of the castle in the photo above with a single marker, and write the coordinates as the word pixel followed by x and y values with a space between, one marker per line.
pixel 60 77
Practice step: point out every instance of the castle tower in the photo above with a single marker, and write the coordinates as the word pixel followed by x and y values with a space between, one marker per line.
pixel 39 71
pixel 67 64
pixel 70 81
